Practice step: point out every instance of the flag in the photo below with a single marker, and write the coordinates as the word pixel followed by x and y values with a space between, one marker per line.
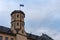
pixel 21 5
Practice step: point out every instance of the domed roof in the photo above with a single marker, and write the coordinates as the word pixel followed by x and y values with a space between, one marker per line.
pixel 18 11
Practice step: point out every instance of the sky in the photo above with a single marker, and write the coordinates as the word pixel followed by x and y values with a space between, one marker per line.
pixel 41 16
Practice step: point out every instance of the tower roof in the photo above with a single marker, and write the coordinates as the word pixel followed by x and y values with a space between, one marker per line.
pixel 18 11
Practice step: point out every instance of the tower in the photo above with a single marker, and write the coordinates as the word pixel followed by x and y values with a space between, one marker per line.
pixel 17 24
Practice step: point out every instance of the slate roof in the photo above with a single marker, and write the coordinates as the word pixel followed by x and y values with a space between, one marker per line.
pixel 46 37
pixel 32 36
pixel 5 30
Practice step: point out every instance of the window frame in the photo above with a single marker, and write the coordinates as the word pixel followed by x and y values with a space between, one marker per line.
pixel 1 37
pixel 17 16
pixel 12 38
pixel 17 24
pixel 6 38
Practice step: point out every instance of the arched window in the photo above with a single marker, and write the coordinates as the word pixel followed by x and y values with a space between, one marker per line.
pixel 17 24
pixel 17 16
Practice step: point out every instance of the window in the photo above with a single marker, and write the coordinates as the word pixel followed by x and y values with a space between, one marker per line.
pixel 22 17
pixel 12 24
pixel 22 31
pixel 17 24
pixel 11 38
pixel 22 24
pixel 12 16
pixel 6 38
pixel 1 38
pixel 17 16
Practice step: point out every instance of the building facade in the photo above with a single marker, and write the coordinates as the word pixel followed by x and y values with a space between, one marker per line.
pixel 17 31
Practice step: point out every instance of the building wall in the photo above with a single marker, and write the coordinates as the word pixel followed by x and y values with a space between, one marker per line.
pixel 9 36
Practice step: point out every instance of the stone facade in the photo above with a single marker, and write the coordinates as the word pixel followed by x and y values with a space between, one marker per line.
pixel 5 35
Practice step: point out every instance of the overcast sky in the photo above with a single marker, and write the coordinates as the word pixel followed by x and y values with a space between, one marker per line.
pixel 41 16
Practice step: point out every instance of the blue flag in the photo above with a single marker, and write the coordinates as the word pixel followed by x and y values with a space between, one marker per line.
pixel 21 5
